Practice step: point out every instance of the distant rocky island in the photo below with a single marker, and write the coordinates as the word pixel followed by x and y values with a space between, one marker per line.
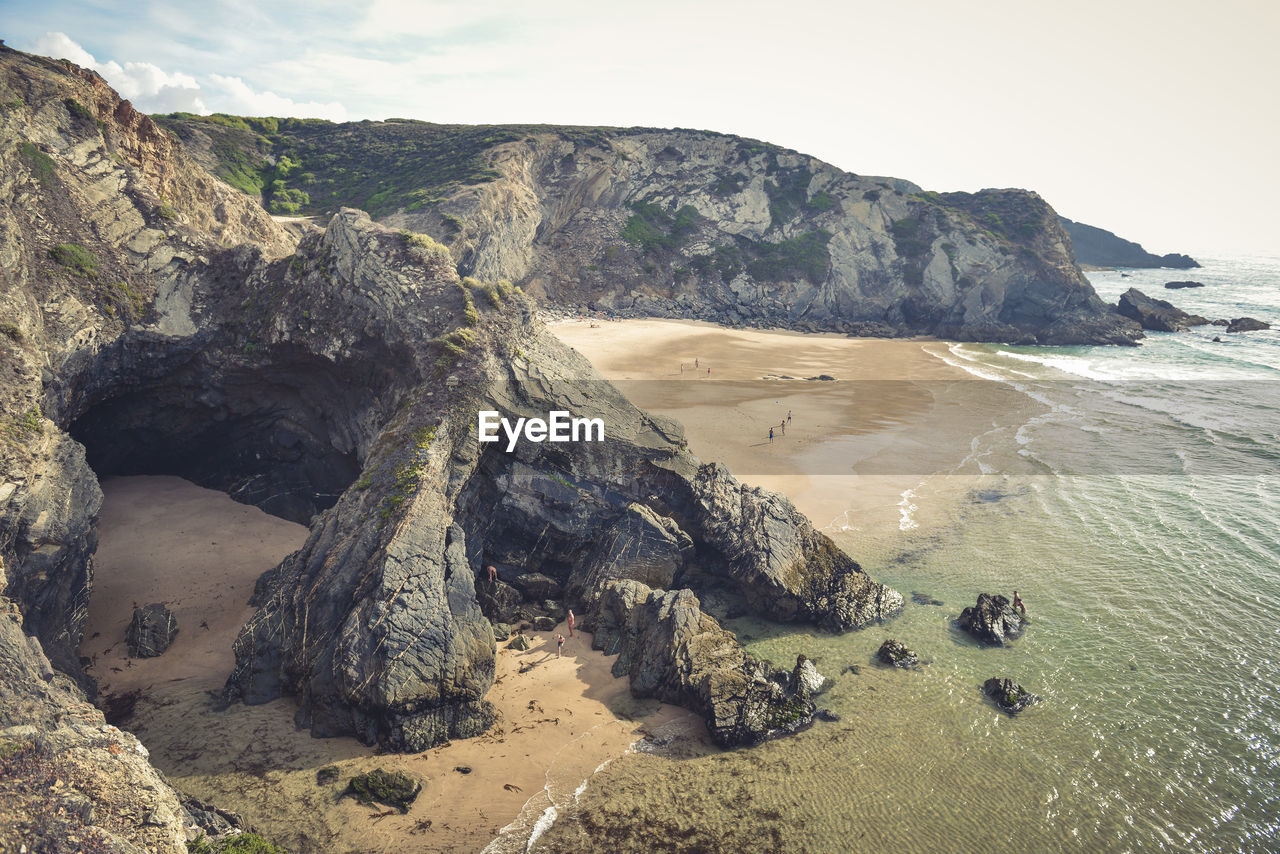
pixel 1097 247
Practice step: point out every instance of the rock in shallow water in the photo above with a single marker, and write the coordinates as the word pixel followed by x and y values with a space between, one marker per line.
pixel 992 620
pixel 895 653
pixel 1008 695
pixel 151 631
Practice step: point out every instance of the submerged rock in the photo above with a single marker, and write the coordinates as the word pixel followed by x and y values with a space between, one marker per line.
pixel 992 620
pixel 151 631
pixel 1008 695
pixel 392 788
pixel 1180 285
pixel 925 599
pixel 895 653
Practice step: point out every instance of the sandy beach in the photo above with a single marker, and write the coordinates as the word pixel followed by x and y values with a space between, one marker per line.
pixel 164 539
pixel 893 415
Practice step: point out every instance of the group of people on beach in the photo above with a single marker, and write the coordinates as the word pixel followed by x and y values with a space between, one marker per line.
pixel 782 427
pixel 697 366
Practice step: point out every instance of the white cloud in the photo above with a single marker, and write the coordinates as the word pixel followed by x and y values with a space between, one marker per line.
pixel 233 95
pixel 154 90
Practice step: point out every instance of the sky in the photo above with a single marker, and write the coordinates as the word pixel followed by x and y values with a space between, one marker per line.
pixel 1156 120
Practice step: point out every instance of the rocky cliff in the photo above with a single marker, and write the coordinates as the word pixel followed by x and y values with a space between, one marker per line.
pixel 153 319
pixel 678 223
pixel 101 223
pixel 1097 247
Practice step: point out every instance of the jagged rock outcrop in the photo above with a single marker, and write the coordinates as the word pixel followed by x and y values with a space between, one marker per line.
pixel 378 623
pixel 1177 286
pixel 680 223
pixel 1247 324
pixel 671 650
pixel 993 620
pixel 1156 314
pixel 1008 695
pixel 150 631
pixel 1098 247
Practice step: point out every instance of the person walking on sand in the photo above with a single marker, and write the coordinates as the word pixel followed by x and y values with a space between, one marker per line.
pixel 571 622
pixel 771 434
pixel 695 362
pixel 783 426
pixel 559 644
pixel 788 416
pixel 1017 603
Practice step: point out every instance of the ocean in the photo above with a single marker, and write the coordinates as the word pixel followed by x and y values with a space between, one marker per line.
pixel 1136 509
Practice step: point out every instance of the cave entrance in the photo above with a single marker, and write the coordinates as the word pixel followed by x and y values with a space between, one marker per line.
pixel 285 437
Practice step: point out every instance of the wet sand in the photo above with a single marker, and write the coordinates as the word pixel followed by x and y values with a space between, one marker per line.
pixel 894 414
pixel 164 539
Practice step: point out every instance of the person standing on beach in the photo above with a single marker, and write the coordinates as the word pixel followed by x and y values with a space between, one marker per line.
pixel 783 426
pixel 571 622
pixel 1017 603
pixel 770 434
pixel 559 644
pixel 695 361
pixel 788 416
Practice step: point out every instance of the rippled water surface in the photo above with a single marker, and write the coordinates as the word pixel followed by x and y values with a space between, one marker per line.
pixel 1139 517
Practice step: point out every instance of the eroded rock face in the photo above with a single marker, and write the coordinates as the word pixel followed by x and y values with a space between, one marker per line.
pixel 150 631
pixel 993 620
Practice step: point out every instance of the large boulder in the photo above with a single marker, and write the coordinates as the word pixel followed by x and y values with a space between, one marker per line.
pixel 1008 695
pixel 536 587
pixel 993 620
pixel 786 570
pixel 150 631
pixel 1156 315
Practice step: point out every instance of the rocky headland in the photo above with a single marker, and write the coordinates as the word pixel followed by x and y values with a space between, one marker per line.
pixel 1099 248
pixel 157 320
pixel 684 224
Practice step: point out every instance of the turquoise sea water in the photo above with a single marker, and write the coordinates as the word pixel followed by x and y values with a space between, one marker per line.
pixel 1137 511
